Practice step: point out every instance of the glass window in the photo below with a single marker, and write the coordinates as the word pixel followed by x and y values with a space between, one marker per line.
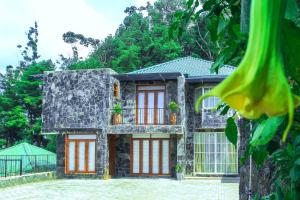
pixel 209 102
pixel 80 154
pixel 214 154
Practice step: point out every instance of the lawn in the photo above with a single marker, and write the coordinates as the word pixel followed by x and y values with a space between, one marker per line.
pixel 124 189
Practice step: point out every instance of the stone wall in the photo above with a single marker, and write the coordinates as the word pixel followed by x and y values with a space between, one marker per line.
pixel 60 155
pixel 76 99
pixel 261 182
pixel 128 97
pixel 101 156
pixel 123 155
pixel 197 122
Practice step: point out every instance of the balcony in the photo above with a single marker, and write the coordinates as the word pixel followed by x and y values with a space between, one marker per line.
pixel 145 116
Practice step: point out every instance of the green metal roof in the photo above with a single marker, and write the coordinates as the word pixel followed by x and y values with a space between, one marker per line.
pixel 24 149
pixel 193 67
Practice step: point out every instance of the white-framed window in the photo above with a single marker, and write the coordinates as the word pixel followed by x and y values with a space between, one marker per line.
pixel 209 102
pixel 214 154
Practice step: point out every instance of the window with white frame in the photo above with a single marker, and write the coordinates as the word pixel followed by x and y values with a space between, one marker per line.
pixel 214 154
pixel 209 102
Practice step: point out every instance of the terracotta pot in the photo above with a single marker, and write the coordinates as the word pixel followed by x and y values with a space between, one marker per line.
pixel 173 119
pixel 117 119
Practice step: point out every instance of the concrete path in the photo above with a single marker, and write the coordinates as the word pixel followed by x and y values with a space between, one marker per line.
pixel 127 189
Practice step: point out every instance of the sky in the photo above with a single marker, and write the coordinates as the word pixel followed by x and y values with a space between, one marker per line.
pixel 92 18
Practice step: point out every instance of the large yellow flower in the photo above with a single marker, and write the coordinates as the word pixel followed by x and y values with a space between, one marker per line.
pixel 259 85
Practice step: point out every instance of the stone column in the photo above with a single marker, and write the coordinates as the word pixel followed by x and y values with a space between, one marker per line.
pixel 60 155
pixel 101 153
pixel 182 120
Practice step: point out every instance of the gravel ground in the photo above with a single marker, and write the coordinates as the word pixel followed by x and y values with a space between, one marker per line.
pixel 126 189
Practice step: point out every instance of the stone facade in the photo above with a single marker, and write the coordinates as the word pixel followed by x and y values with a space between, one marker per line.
pixel 202 121
pixel 123 155
pixel 81 102
pixel 76 99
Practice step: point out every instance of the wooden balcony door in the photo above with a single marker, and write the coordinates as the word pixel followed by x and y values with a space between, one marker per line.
pixel 150 105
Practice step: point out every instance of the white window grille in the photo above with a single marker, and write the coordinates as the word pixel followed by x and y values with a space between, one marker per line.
pixel 214 154
pixel 209 102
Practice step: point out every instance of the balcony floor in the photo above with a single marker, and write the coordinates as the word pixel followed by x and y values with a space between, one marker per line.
pixel 129 129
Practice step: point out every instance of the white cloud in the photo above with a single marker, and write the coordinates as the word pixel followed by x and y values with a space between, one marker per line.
pixel 54 18
pixel 143 2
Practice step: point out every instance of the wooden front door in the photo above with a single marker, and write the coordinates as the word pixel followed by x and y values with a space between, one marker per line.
pixel 112 154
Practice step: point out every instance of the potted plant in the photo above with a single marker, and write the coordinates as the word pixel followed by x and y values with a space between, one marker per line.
pixel 173 108
pixel 117 111
pixel 179 172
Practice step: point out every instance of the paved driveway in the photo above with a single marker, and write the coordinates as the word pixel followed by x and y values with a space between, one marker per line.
pixel 137 189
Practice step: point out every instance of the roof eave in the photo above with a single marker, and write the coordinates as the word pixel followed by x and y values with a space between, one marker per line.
pixel 206 79
pixel 148 76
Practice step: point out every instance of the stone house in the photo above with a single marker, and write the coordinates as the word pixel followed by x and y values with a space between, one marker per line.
pixel 142 139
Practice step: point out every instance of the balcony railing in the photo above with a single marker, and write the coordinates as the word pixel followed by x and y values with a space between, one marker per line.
pixel 146 116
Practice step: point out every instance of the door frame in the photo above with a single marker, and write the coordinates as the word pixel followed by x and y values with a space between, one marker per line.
pixel 150 157
pixel 86 155
pixel 146 102
pixel 112 154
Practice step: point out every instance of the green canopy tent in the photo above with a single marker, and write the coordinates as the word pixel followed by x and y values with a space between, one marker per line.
pixel 25 158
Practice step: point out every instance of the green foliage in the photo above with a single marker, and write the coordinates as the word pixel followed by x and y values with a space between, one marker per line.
pixel 2 143
pixel 89 63
pixel 291 48
pixel 51 143
pixel 173 106
pixel 287 174
pixel 21 95
pixel 179 168
pixel 117 109
pixel 140 41
pixel 266 130
pixel 31 47
pixel 231 131
pixel 222 20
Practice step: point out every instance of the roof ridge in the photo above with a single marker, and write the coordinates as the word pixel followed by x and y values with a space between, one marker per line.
pixel 157 65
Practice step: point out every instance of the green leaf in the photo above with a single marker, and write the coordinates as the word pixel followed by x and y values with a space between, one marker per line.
pixel 189 3
pixel 266 130
pixel 297 162
pixel 231 131
pixel 291 49
pixel 295 173
pixel 225 110
pixel 213 27
pixel 259 155
pixel 209 4
pixel 291 10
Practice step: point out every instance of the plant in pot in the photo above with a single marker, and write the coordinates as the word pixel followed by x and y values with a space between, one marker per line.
pixel 179 171
pixel 173 108
pixel 117 111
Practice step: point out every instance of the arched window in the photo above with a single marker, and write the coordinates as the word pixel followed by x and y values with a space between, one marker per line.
pixel 116 90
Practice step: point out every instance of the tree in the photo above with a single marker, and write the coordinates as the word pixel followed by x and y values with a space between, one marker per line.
pixel 265 144
pixel 21 95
